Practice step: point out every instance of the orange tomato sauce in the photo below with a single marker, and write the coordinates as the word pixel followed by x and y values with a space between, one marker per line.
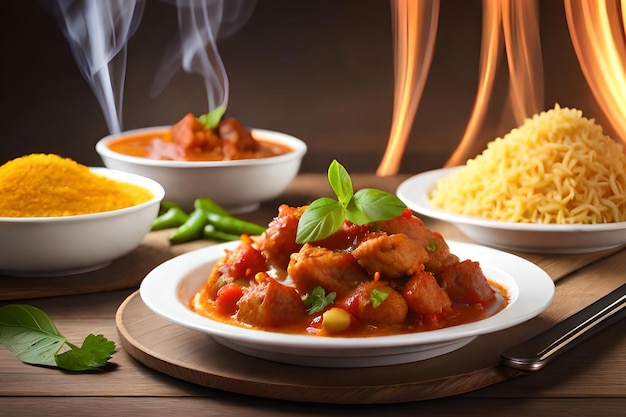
pixel 202 304
pixel 159 145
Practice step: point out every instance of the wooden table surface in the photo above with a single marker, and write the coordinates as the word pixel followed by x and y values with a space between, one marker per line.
pixel 587 380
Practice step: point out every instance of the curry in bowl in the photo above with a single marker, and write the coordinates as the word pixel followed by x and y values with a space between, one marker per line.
pixel 192 140
pixel 388 277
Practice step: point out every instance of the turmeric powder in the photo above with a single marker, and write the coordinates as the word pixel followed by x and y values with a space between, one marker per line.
pixel 47 185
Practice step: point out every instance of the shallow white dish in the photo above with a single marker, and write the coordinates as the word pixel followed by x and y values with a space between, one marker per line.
pixel 238 185
pixel 541 238
pixel 54 246
pixel 168 288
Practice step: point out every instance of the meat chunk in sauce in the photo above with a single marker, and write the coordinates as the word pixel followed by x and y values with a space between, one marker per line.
pixel 270 304
pixel 315 266
pixel 236 138
pixel 189 134
pixel 392 256
pixel 439 255
pixel 424 295
pixel 465 283
pixel 279 240
pixel 392 309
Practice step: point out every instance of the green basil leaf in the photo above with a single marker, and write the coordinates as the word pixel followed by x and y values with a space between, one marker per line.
pixel 317 300
pixel 94 353
pixel 29 334
pixel 371 205
pixel 321 219
pixel 340 182
pixel 212 119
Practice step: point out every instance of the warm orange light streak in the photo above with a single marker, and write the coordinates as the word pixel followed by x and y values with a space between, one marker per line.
pixel 520 23
pixel 599 41
pixel 415 29
pixel 490 47
pixel 516 21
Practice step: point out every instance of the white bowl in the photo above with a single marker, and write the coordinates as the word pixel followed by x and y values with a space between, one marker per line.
pixel 53 246
pixel 168 288
pixel 238 186
pixel 526 237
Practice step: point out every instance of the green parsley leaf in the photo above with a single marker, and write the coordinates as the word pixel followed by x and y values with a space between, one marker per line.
pixel 432 246
pixel 317 300
pixel 28 333
pixel 377 297
pixel 94 353
pixel 325 216
pixel 212 119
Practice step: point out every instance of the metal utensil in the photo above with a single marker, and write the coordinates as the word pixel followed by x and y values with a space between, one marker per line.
pixel 536 352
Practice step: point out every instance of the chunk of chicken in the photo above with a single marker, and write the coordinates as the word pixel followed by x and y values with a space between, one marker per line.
pixel 424 295
pixel 439 255
pixel 315 266
pixel 189 133
pixel 278 242
pixel 270 304
pixel 236 138
pixel 466 283
pixel 393 308
pixel 392 256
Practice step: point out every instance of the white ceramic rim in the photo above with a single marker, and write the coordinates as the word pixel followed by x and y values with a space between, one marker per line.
pixel 154 187
pixel 414 192
pixel 530 289
pixel 299 149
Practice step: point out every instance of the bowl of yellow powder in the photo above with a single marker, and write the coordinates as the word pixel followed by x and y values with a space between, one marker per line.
pixel 59 217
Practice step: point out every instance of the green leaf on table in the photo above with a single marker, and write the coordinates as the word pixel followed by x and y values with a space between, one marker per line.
pixel 94 353
pixel 28 333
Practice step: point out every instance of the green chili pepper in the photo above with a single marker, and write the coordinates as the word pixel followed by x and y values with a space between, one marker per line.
pixel 166 205
pixel 173 217
pixel 191 229
pixel 210 206
pixel 211 232
pixel 234 225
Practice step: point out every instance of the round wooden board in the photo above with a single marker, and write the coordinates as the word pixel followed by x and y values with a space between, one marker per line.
pixel 195 357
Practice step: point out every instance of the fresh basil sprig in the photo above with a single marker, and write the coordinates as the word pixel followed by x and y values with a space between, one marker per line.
pixel 325 215
pixel 212 119
pixel 30 335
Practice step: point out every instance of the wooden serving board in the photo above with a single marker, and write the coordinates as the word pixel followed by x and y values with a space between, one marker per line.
pixel 195 357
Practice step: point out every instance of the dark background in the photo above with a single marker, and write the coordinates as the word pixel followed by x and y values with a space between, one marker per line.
pixel 321 70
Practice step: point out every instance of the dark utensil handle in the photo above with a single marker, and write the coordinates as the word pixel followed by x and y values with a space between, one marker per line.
pixel 536 352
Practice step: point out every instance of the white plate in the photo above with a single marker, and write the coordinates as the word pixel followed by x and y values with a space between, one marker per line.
pixel 168 288
pixel 542 238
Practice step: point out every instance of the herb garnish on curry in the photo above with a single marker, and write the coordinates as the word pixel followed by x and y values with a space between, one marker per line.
pixel 369 268
pixel 209 137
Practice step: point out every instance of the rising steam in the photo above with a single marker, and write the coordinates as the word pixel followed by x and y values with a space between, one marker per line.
pixel 98 33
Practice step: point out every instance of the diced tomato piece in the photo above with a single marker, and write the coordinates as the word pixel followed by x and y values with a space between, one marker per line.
pixel 351 305
pixel 227 298
pixel 248 263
